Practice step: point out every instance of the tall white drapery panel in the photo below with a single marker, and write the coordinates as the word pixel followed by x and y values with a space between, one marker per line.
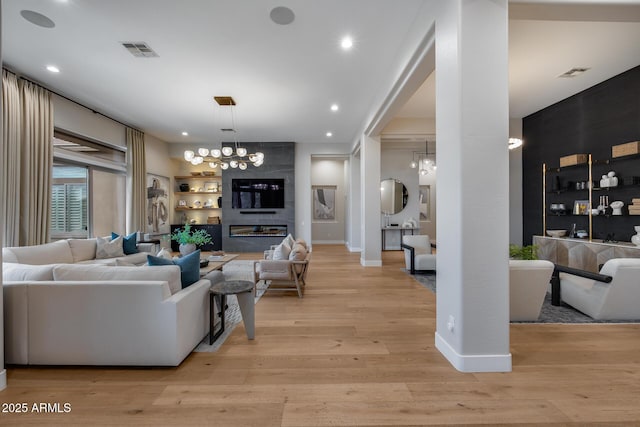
pixel 27 161
pixel 11 113
pixel 136 181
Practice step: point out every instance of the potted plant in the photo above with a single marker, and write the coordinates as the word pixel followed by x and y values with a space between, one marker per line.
pixel 523 252
pixel 189 240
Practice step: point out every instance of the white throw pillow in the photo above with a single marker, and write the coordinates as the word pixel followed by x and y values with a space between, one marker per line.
pixel 281 252
pixel 106 249
pixel 289 240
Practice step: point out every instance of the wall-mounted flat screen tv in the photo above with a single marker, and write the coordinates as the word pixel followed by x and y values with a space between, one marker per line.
pixel 257 193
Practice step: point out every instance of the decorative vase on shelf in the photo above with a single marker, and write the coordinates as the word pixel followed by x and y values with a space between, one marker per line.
pixel 187 248
pixel 635 239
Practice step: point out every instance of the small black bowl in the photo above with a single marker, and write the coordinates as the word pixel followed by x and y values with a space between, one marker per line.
pixel 204 263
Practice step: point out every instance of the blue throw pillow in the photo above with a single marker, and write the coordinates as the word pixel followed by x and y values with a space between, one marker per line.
pixel 189 266
pixel 129 243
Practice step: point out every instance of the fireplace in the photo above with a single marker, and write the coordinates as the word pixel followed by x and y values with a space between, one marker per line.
pixel 257 231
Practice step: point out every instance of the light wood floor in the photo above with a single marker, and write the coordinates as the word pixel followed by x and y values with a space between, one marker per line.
pixel 357 350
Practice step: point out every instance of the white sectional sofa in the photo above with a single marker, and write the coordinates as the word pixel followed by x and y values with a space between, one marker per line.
pixel 68 252
pixel 61 309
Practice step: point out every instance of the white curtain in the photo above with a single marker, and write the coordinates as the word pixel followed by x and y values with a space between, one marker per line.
pixel 36 161
pixel 11 113
pixel 136 181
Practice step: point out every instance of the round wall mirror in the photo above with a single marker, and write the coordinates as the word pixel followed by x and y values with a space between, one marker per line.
pixel 393 196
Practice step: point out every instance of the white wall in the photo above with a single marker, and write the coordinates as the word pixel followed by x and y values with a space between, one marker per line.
pixel 82 121
pixel 394 164
pixel 329 172
pixel 428 227
pixel 303 155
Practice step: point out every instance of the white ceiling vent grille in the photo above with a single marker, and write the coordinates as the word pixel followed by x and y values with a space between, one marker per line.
pixel 573 72
pixel 139 49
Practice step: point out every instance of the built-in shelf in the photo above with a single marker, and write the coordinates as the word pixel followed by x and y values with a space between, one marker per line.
pixel 183 208
pixel 204 177
pixel 199 192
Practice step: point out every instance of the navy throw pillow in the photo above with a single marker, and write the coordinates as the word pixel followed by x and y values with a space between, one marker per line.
pixel 129 243
pixel 189 266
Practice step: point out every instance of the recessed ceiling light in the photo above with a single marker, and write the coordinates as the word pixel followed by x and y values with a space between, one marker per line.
pixel 346 43
pixel 329 134
pixel 53 68
pixel 37 19
pixel 185 133
pixel 282 15
pixel 334 107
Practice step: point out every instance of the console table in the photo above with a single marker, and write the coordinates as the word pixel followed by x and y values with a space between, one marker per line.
pixel 582 254
pixel 402 230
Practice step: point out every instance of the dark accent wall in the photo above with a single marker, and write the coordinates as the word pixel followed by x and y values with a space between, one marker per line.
pixel 589 122
pixel 279 163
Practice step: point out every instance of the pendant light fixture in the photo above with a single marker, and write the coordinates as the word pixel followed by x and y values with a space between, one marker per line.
pixel 234 157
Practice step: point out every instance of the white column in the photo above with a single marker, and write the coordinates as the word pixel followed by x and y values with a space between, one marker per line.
pixel 354 200
pixel 473 189
pixel 370 256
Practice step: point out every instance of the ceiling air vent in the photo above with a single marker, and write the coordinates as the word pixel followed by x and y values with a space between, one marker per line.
pixel 139 49
pixel 573 72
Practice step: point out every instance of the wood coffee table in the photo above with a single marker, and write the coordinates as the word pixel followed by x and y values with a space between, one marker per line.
pixel 215 263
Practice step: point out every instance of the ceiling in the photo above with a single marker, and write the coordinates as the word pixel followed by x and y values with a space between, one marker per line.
pixel 285 77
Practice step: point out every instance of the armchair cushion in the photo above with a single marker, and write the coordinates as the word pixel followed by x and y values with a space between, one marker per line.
pixel 599 300
pixel 528 284
pixel 417 253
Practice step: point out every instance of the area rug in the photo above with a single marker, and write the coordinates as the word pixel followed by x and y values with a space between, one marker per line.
pixel 548 314
pixel 232 317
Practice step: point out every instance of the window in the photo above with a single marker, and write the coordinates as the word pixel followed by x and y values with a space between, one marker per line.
pixel 69 206
pixel 89 187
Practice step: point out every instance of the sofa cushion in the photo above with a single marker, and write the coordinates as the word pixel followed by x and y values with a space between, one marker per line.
pixel 189 266
pixel 109 249
pixel 82 249
pixel 99 273
pixel 57 252
pixel 14 272
pixel 136 259
pixel 128 242
pixel 105 261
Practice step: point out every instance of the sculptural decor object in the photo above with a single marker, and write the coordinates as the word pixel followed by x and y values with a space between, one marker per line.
pixel 617 207
pixel 635 239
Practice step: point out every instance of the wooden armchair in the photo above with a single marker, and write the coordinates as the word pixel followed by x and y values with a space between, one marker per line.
pixel 284 275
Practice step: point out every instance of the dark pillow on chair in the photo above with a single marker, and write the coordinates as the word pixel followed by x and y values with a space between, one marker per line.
pixel 129 243
pixel 189 266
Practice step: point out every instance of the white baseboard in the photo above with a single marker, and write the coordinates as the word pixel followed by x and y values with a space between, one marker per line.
pixel 474 362
pixel 371 263
pixel 3 379
pixel 353 249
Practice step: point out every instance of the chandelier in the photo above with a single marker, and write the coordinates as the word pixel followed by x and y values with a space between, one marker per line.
pixel 425 163
pixel 226 157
